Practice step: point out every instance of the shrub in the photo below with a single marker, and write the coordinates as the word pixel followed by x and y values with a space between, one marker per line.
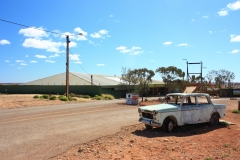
pixel 107 97
pixel 45 96
pixel 97 98
pixel 86 96
pixel 36 96
pixel 72 95
pixel 63 98
pixel 41 97
pixel 74 99
pixel 53 98
pixel 236 111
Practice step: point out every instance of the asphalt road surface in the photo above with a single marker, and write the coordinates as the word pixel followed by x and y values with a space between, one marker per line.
pixel 44 132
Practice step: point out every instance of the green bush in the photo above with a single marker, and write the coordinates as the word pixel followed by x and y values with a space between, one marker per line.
pixel 86 96
pixel 63 98
pixel 107 97
pixel 72 98
pixel 45 96
pixel 72 95
pixel 53 98
pixel 41 97
pixel 36 96
pixel 97 98
pixel 236 111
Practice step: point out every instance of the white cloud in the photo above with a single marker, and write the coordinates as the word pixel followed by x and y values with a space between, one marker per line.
pixel 40 56
pixel 134 51
pixel 235 38
pixel 151 60
pixel 33 32
pixel 210 32
pixel 234 5
pixel 19 61
pixel 183 44
pixel 74 57
pixel 48 45
pixel 205 17
pixel 218 51
pixel 134 48
pixel 4 41
pixel 95 35
pixel 71 44
pixel 26 55
pixel 7 61
pixel 192 20
pixel 78 62
pixel 223 30
pixel 167 43
pixel 23 64
pixel 33 61
pixel 111 16
pixel 235 51
pixel 121 48
pixel 79 30
pixel 101 65
pixel 49 61
pixel 223 13
pixel 53 56
pixel 100 34
pixel 90 42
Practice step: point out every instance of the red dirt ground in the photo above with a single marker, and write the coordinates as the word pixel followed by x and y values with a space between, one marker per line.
pixel 189 142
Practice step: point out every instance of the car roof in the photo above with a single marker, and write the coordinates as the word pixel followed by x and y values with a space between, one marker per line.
pixel 187 94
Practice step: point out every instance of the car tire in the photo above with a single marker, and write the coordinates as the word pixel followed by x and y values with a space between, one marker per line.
pixel 148 127
pixel 214 120
pixel 168 126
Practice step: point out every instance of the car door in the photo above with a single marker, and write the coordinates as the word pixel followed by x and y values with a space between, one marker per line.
pixel 189 110
pixel 205 107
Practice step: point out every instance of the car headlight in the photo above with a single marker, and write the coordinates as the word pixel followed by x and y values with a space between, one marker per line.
pixel 139 110
pixel 155 112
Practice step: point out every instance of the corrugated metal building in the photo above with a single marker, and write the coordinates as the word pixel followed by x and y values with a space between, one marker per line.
pixel 81 79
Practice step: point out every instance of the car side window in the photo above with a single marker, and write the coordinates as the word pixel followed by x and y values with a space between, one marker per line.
pixel 203 100
pixel 189 100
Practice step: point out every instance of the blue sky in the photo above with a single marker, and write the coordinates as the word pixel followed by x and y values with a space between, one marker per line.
pixel 120 33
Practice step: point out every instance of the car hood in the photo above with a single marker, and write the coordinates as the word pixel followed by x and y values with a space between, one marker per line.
pixel 160 107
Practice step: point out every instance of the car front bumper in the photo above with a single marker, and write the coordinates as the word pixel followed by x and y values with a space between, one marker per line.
pixel 150 122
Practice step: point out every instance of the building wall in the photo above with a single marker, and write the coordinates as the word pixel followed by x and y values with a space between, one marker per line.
pixel 50 89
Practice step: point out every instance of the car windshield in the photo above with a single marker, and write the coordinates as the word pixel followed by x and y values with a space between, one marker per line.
pixel 172 99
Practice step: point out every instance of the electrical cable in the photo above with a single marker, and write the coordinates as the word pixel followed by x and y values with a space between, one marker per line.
pixel 23 25
pixel 78 63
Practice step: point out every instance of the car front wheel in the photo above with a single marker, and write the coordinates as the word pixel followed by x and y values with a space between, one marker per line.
pixel 168 126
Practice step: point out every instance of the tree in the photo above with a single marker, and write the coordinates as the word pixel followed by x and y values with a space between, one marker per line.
pixel 144 78
pixel 172 76
pixel 221 78
pixel 128 78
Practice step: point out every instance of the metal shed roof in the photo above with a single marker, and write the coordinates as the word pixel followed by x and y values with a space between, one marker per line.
pixel 81 79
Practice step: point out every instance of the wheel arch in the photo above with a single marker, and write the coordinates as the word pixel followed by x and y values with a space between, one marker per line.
pixel 173 118
pixel 215 113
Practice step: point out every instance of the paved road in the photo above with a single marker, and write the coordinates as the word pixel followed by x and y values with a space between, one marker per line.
pixel 44 132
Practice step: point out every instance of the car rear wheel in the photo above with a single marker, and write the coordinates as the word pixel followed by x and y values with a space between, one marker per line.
pixel 214 120
pixel 168 126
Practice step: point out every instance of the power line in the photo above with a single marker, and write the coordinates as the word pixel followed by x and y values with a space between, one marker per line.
pixel 23 25
pixel 78 63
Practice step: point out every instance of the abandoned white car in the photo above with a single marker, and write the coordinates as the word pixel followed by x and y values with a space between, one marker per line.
pixel 178 109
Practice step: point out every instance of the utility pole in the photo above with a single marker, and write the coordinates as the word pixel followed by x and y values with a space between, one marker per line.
pixel 67 66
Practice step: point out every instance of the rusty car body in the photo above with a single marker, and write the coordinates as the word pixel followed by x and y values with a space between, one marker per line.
pixel 178 109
